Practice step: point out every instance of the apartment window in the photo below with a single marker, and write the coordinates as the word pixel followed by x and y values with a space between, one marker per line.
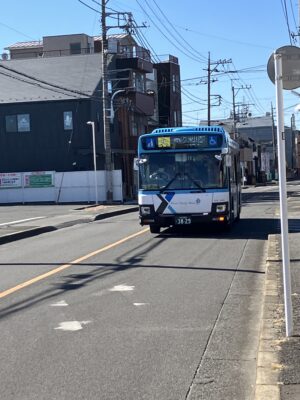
pixel 68 120
pixel 138 81
pixel 134 126
pixel 175 83
pixel 17 123
pixel 75 48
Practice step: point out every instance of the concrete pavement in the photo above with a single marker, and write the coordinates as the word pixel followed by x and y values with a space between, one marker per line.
pixel 278 366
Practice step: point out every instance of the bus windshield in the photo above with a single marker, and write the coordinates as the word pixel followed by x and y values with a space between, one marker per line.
pixel 184 170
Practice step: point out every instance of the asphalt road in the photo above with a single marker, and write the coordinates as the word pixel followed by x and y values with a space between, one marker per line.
pixel 108 311
pixel 17 212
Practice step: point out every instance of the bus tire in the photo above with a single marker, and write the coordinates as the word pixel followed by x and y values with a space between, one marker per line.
pixel 154 228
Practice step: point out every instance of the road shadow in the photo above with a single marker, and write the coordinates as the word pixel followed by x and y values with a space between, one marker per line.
pixel 260 197
pixel 245 228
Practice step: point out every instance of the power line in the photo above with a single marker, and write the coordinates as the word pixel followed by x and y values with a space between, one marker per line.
pixel 194 52
pixel 15 30
pixel 91 8
pixel 285 13
pixel 168 39
pixel 43 81
pixel 225 39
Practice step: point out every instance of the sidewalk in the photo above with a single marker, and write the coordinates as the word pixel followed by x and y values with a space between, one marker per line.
pixel 15 229
pixel 278 366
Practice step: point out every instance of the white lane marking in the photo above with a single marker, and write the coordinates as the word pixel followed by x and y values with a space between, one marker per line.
pixel 72 325
pixel 20 221
pixel 61 303
pixel 122 288
pixel 140 304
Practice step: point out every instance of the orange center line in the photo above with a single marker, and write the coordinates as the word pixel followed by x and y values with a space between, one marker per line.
pixel 65 266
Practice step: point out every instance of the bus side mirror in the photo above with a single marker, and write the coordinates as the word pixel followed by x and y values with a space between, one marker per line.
pixel 137 162
pixel 140 161
pixel 225 151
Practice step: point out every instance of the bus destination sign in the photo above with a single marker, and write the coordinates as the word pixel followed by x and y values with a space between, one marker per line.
pixel 182 142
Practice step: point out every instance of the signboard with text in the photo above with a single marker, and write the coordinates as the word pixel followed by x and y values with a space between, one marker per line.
pixel 38 179
pixel 10 180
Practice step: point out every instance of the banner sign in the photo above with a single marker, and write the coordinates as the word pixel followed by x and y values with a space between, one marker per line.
pixel 38 179
pixel 10 180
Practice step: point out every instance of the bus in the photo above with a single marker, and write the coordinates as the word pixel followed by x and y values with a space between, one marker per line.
pixel 187 176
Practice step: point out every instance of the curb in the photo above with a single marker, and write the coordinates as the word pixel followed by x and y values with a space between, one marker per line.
pixel 268 363
pixel 114 213
pixel 30 232
pixel 26 233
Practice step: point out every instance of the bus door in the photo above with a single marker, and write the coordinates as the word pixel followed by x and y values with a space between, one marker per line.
pixel 234 188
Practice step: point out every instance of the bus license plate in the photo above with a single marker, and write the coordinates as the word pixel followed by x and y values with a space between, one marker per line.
pixel 183 220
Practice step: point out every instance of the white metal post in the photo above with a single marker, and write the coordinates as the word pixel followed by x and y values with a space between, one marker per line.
pixel 283 196
pixel 94 157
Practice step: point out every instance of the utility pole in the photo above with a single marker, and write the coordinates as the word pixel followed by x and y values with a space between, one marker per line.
pixel 129 26
pixel 209 81
pixel 234 93
pixel 208 90
pixel 293 35
pixel 106 125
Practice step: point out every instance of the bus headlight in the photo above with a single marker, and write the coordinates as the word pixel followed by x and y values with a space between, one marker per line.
pixel 145 210
pixel 221 208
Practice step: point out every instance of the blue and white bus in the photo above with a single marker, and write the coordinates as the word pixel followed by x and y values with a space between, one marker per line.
pixel 188 175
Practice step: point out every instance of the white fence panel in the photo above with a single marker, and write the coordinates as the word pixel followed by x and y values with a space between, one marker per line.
pixel 75 186
pixel 79 185
pixel 31 195
pixel 117 185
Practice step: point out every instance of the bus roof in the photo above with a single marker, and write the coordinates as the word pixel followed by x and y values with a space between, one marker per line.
pixel 190 129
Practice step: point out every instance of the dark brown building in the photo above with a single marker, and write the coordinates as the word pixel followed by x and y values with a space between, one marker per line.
pixel 47 97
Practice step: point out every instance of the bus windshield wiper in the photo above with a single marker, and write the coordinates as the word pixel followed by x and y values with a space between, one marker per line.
pixel 169 183
pixel 182 174
pixel 195 182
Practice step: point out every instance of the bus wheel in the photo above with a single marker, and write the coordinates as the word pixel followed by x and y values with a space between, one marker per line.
pixel 154 228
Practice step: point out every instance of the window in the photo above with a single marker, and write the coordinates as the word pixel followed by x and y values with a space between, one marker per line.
pixel 175 83
pixel 75 48
pixel 17 123
pixel 138 81
pixel 134 126
pixel 68 120
pixel 11 123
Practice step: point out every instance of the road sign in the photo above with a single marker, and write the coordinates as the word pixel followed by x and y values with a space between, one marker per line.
pixel 290 67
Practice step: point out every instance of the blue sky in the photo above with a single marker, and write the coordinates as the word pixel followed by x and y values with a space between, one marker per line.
pixel 245 32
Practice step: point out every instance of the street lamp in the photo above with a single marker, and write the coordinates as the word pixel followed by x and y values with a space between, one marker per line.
pixel 92 123
pixel 112 112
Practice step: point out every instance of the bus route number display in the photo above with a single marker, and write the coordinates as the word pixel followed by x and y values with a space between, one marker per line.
pixel 182 142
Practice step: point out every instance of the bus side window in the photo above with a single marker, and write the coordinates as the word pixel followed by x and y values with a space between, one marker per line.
pixel 236 171
pixel 232 171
